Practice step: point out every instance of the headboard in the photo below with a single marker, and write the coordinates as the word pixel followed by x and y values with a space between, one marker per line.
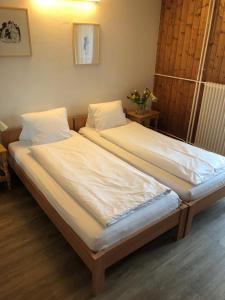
pixel 12 134
pixel 79 122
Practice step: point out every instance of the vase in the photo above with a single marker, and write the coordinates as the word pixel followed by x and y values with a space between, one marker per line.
pixel 141 109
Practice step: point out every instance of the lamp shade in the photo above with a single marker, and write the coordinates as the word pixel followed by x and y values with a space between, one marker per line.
pixel 3 126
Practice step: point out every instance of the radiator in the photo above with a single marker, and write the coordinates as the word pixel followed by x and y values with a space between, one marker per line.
pixel 210 133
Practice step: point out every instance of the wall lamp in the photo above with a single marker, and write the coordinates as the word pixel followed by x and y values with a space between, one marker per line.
pixel 49 3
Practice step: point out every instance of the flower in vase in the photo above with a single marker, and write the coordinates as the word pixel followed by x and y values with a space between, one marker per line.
pixel 141 100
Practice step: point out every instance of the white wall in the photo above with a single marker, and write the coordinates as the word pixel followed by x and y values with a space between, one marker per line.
pixel 48 79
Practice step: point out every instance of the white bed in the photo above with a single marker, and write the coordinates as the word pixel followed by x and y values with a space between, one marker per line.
pixel 184 189
pixel 90 231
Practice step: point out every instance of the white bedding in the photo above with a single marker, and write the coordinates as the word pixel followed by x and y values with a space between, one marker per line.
pixel 184 189
pixel 90 231
pixel 106 186
pixel 185 161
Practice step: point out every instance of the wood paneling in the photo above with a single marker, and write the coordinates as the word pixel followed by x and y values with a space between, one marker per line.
pixel 175 101
pixel 181 34
pixel 215 59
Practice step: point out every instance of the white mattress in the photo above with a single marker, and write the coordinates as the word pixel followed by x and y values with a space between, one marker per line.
pixel 184 189
pixel 90 231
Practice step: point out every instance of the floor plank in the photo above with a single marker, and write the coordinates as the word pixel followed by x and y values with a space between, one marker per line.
pixel 37 263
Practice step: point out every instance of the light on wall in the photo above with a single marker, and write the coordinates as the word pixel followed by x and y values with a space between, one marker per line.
pixel 67 3
pixel 54 2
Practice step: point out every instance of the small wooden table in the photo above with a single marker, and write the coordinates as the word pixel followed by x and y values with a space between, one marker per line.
pixel 4 169
pixel 148 116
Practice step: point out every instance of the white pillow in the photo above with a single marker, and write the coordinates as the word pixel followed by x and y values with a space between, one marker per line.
pixel 106 115
pixel 45 127
pixel 90 120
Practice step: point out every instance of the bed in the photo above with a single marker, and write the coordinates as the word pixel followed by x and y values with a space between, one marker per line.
pixel 197 198
pixel 97 248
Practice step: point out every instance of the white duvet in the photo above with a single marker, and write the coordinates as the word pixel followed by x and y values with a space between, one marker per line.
pixel 185 161
pixel 108 188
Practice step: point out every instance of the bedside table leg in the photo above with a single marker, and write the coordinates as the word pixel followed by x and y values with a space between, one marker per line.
pixel 8 177
pixel 6 171
pixel 156 123
pixel 9 181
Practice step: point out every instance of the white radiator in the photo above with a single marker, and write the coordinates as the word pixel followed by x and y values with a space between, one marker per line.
pixel 210 133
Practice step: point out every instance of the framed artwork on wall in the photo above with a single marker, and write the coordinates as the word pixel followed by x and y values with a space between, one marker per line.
pixel 86 43
pixel 14 32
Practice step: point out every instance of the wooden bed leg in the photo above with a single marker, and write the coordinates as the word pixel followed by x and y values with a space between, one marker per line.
pixel 98 278
pixel 183 219
pixel 189 221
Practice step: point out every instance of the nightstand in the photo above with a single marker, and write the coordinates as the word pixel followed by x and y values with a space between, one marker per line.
pixel 147 117
pixel 4 169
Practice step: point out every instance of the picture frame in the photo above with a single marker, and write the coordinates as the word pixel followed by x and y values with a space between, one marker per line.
pixel 86 43
pixel 15 37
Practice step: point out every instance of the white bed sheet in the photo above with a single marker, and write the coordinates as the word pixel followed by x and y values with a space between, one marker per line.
pixel 184 189
pixel 90 231
pixel 180 159
pixel 107 187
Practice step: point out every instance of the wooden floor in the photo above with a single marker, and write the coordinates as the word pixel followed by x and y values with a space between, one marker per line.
pixel 36 262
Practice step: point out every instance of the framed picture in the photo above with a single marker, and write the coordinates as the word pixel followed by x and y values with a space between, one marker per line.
pixel 14 32
pixel 86 43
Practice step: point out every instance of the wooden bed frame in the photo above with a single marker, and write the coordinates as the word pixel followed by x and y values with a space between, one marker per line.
pixel 194 207
pixel 97 262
